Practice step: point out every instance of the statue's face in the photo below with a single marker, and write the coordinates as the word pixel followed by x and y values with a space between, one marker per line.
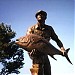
pixel 41 17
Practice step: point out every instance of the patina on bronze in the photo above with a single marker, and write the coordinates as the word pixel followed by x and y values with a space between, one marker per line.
pixel 37 44
pixel 32 41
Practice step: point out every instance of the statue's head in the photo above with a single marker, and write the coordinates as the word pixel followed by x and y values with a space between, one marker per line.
pixel 41 12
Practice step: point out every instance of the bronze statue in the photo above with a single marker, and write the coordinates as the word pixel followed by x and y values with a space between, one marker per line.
pixel 36 42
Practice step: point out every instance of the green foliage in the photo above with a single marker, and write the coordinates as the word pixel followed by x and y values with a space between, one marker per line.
pixel 11 56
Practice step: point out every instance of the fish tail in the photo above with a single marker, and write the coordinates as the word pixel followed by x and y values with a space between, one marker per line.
pixel 66 55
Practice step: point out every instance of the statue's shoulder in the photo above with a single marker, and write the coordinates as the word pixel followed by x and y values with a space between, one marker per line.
pixel 32 26
pixel 49 27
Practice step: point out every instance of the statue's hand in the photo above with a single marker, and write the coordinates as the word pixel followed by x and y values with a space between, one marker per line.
pixel 63 50
pixel 32 53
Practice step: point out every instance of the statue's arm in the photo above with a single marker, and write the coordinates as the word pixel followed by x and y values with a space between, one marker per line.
pixel 30 30
pixel 57 40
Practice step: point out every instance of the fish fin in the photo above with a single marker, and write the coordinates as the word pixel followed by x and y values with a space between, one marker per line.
pixel 67 50
pixel 66 55
pixel 53 57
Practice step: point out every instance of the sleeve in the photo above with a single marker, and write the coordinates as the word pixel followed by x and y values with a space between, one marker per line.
pixel 55 38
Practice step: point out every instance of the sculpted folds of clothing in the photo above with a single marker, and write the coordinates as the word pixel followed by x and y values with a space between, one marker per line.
pixel 42 31
pixel 45 31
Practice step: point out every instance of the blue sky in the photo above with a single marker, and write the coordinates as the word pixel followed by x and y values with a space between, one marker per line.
pixel 20 14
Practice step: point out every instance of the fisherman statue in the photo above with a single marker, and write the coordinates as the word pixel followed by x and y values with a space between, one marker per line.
pixel 37 43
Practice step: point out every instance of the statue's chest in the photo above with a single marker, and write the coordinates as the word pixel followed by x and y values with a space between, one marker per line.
pixel 42 32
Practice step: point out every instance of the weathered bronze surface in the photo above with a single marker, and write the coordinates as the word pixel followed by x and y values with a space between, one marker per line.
pixel 32 41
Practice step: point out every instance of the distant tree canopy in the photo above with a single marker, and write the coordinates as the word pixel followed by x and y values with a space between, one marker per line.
pixel 11 56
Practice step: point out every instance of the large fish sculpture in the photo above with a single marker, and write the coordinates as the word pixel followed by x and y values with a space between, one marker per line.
pixel 32 41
